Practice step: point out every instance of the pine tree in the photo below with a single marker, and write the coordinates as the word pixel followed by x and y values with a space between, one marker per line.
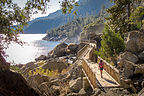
pixel 111 45
pixel 120 13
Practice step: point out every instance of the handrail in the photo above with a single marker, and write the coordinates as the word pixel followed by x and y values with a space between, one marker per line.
pixel 81 51
pixel 90 74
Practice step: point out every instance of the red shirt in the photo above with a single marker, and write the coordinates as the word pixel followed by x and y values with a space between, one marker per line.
pixel 101 65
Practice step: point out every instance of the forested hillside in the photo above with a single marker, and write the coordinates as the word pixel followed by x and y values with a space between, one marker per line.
pixel 69 30
pixel 56 19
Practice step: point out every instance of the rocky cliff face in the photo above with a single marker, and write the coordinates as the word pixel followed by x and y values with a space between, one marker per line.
pixel 92 32
pixel 132 62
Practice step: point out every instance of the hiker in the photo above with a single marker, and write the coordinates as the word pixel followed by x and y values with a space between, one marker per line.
pixel 101 64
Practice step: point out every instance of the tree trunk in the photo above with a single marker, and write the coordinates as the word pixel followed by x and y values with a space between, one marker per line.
pixel 129 13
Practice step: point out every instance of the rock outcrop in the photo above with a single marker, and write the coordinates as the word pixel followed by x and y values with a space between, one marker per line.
pixel 13 84
pixel 131 62
pixel 3 64
pixel 55 65
pixel 41 84
pixel 75 85
pixel 63 50
pixel 27 67
pixel 135 41
pixel 59 50
pixel 42 57
pixel 72 48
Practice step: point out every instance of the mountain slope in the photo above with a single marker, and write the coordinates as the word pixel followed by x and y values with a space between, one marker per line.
pixel 53 20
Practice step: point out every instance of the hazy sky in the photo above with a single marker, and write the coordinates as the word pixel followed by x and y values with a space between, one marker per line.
pixel 53 6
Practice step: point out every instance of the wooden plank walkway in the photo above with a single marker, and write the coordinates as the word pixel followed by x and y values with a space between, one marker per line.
pixel 106 82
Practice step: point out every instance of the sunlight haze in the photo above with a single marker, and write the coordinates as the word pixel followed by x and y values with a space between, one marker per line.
pixel 52 7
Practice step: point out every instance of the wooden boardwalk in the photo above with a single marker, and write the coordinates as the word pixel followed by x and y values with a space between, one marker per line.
pixel 92 72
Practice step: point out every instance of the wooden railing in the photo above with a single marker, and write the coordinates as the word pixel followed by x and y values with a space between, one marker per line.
pixel 111 70
pixel 81 51
pixel 89 74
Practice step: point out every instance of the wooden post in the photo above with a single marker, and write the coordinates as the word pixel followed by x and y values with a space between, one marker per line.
pixel 81 77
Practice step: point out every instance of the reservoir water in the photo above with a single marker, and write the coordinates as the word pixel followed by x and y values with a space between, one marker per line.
pixel 33 48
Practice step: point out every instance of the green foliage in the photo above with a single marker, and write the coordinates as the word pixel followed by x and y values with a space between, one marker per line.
pixel 137 16
pixel 119 15
pixel 41 71
pixel 15 68
pixel 67 6
pixel 111 45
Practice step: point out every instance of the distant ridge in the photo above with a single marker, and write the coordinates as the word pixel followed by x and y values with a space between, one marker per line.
pixel 56 19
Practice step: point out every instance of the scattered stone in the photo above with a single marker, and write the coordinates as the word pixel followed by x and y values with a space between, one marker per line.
pixel 139 69
pixel 55 65
pixel 86 84
pixel 56 89
pixel 128 56
pixel 141 56
pixel 82 92
pixel 27 67
pixel 96 92
pixel 42 57
pixel 128 69
pixel 75 85
pixel 36 80
pixel 141 93
pixel 73 94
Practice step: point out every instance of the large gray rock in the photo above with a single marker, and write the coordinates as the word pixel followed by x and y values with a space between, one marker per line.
pixel 27 67
pixel 73 48
pixel 55 65
pixel 141 56
pixel 36 80
pixel 82 92
pixel 139 69
pixel 86 84
pixel 43 89
pixel 96 92
pixel 75 85
pixel 3 64
pixel 128 69
pixel 135 41
pixel 13 84
pixel 129 57
pixel 59 50
pixel 56 90
pixel 42 57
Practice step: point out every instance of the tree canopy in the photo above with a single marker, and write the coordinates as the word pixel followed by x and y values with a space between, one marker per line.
pixel 119 14
pixel 13 18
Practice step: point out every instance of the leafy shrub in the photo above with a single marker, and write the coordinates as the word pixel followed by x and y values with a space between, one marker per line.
pixel 15 68
pixel 137 16
pixel 41 71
